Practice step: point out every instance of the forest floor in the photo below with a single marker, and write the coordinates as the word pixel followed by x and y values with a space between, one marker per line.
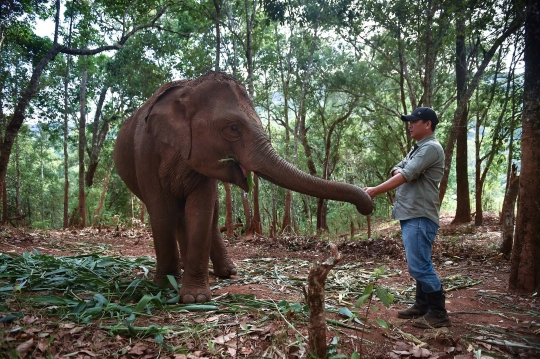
pixel 86 294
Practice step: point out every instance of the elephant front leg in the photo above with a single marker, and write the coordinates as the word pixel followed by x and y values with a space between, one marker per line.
pixel 223 266
pixel 199 213
pixel 163 221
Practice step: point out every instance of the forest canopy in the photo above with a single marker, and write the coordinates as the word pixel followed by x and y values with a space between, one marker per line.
pixel 329 80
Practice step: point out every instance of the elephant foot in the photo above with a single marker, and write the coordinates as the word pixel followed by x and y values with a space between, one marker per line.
pixel 196 295
pixel 224 269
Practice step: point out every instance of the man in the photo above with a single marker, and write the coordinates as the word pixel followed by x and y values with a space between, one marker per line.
pixel 417 207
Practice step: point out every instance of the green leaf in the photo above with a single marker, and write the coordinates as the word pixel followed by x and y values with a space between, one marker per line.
pixel 384 295
pixel 368 289
pixel 143 303
pixel 362 299
pixel 47 300
pixel 382 323
pixel 173 282
pixel 355 355
pixel 345 312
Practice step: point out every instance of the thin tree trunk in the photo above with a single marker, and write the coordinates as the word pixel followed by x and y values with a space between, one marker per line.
pixel 66 154
pixel 286 225
pixel 97 217
pixel 66 127
pixel 508 214
pixel 82 146
pixel 525 266
pixel 142 213
pixel 256 220
pixel 217 5
pixel 98 139
pixel 250 21
pixel 228 211
pixel 247 213
pixel 463 207
pixel 4 204
pixel 41 175
pixel 285 75
pixel 18 205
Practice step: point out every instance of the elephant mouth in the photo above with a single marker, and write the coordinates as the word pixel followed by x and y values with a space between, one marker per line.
pixel 240 173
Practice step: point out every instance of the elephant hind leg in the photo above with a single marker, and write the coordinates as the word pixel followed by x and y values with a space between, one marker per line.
pixel 223 266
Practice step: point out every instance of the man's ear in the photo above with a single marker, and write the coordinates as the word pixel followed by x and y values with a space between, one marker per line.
pixel 168 120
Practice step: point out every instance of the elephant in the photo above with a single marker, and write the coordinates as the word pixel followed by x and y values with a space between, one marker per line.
pixel 172 152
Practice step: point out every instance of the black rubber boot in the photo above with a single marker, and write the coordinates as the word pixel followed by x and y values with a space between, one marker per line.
pixel 419 308
pixel 436 316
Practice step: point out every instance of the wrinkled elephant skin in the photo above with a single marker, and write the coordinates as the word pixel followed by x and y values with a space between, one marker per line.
pixel 169 153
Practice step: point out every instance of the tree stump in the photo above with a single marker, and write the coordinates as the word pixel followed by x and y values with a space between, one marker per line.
pixel 315 297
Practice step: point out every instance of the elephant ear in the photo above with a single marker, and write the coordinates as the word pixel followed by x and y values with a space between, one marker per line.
pixel 166 116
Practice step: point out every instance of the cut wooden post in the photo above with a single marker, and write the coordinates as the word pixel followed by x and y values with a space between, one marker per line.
pixel 315 297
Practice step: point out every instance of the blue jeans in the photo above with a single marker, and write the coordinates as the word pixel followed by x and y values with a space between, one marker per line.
pixel 418 236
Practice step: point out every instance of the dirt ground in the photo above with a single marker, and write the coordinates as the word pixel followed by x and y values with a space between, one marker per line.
pixel 487 321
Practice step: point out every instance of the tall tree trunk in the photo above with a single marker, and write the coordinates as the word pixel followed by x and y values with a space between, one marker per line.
pixel 217 19
pixel 228 210
pixel 285 75
pixel 463 207
pixel 18 204
pixel 250 21
pixel 256 219
pixel 286 225
pixel 82 146
pixel 142 213
pixel 525 266
pixel 508 213
pixel 41 175
pixel 98 138
pixel 247 213
pixel 66 127
pixel 97 217
pixel 322 208
pixel 66 153
pixel 4 203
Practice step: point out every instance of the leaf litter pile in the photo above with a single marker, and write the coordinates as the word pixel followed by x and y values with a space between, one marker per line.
pixel 84 294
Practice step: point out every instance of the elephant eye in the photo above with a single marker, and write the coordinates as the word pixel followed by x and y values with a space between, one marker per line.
pixel 232 132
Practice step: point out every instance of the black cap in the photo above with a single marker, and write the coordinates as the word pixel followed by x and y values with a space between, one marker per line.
pixel 422 113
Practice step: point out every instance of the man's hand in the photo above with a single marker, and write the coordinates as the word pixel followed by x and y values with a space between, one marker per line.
pixel 371 191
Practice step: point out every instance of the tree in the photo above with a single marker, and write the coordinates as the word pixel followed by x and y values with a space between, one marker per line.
pixel 19 113
pixel 513 22
pixel 463 207
pixel 525 267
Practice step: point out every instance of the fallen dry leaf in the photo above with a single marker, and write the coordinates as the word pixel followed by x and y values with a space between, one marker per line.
pixel 138 349
pixel 24 347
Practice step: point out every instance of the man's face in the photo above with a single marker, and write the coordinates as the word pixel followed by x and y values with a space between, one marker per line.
pixel 419 129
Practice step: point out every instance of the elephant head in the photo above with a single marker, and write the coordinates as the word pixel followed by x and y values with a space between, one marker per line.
pixel 212 123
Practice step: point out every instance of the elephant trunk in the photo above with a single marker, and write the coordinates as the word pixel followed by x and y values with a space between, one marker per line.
pixel 275 169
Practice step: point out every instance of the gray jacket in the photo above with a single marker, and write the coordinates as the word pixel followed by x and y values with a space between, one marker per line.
pixel 419 196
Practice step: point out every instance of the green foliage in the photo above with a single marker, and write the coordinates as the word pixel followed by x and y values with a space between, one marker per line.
pixel 324 55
